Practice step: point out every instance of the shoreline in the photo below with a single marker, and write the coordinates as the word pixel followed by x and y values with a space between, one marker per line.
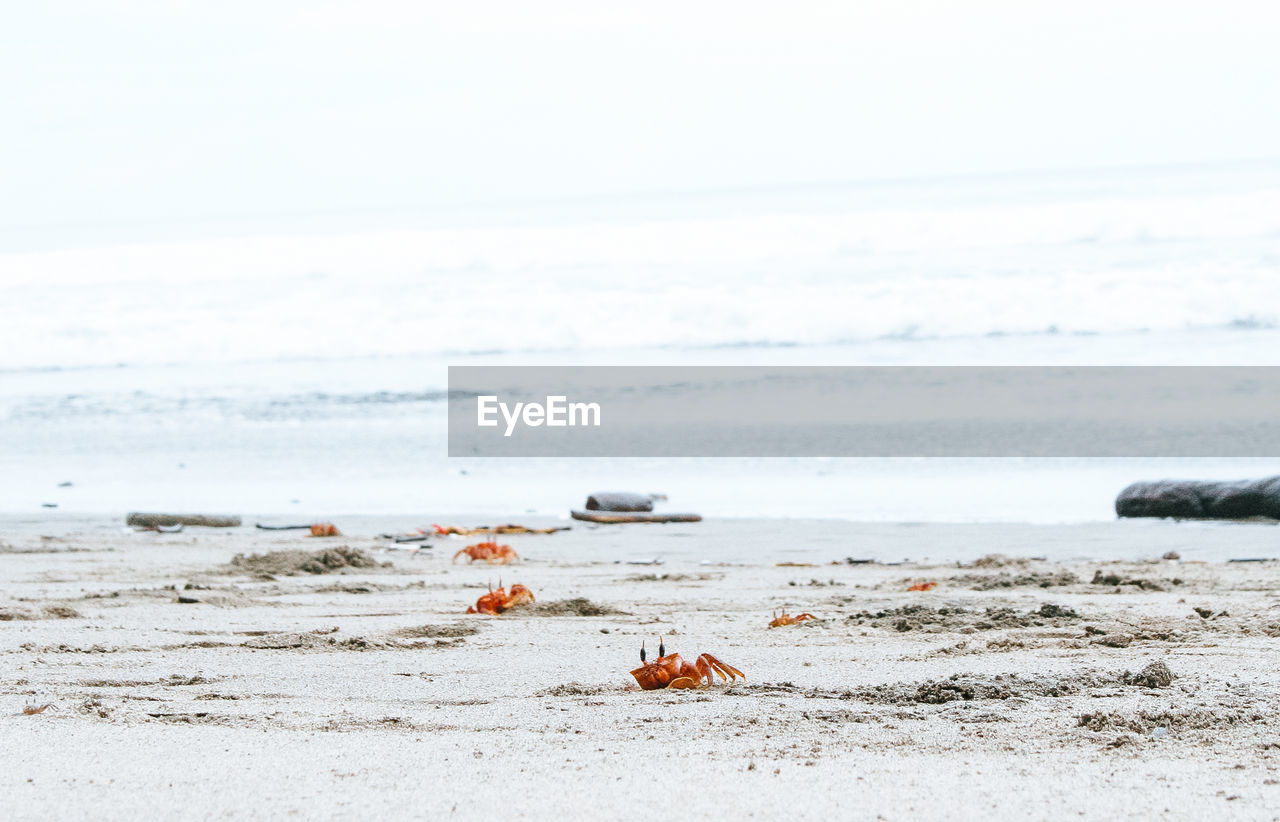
pixel 368 690
pixel 736 539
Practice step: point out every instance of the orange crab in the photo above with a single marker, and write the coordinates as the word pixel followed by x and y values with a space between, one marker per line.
pixel 325 529
pixel 923 586
pixel 489 552
pixel 670 671
pixel 500 599
pixel 784 618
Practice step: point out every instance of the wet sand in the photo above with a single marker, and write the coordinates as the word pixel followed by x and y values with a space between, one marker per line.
pixel 1043 684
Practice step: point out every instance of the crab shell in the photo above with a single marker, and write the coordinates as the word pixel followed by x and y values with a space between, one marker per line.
pixel 661 672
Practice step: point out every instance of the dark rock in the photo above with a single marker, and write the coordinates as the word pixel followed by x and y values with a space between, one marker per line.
pixel 619 501
pixel 1191 499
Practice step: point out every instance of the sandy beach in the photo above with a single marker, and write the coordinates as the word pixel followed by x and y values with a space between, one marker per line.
pixel 1036 680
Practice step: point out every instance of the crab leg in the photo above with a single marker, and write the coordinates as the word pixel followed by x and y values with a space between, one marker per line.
pixel 720 668
pixel 706 669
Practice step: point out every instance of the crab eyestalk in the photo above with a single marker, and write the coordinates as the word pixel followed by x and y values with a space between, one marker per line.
pixel 642 652
pixel 662 649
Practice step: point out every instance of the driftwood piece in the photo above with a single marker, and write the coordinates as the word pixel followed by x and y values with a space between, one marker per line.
pixel 207 520
pixel 612 517
pixel 619 501
pixel 1190 499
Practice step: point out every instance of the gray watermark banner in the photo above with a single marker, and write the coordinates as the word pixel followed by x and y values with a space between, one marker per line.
pixel 872 411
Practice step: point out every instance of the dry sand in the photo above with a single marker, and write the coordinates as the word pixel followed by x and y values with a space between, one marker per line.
pixel 181 683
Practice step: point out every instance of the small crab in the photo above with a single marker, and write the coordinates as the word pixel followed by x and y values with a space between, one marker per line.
pixel 489 552
pixel 500 599
pixel 325 529
pixel 923 586
pixel 670 671
pixel 784 618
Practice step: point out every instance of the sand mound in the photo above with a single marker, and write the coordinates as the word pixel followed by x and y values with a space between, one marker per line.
pixel 578 606
pixel 1145 722
pixel 437 631
pixel 290 563
pixel 48 612
pixel 1155 675
pixel 969 687
pixel 939 620
pixel 990 582
pixel 571 689
pixel 327 639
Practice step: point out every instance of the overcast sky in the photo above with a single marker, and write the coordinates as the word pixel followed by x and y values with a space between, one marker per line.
pixel 170 111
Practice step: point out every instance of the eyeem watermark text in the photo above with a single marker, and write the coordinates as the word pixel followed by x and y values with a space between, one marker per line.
pixel 557 412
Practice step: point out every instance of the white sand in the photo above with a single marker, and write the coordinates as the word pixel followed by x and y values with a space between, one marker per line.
pixel 160 708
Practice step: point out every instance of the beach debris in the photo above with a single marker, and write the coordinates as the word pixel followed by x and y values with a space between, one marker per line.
pixel 262 527
pixel 653 561
pixel 288 563
pixel 997 561
pixel 781 619
pixel 48 505
pixel 32 710
pixel 852 561
pixel 412 549
pixel 403 538
pixel 490 552
pixel 1115 580
pixel 325 529
pixel 794 565
pixel 499 600
pixel 66 484
pixel 1172 556
pixel 163 529
pixel 510 528
pixel 923 586
pixel 610 518
pixel 671 577
pixel 817 583
pixel 670 671
pixel 1253 559
pixel 205 520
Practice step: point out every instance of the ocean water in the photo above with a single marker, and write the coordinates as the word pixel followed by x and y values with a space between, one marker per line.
pixel 298 365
